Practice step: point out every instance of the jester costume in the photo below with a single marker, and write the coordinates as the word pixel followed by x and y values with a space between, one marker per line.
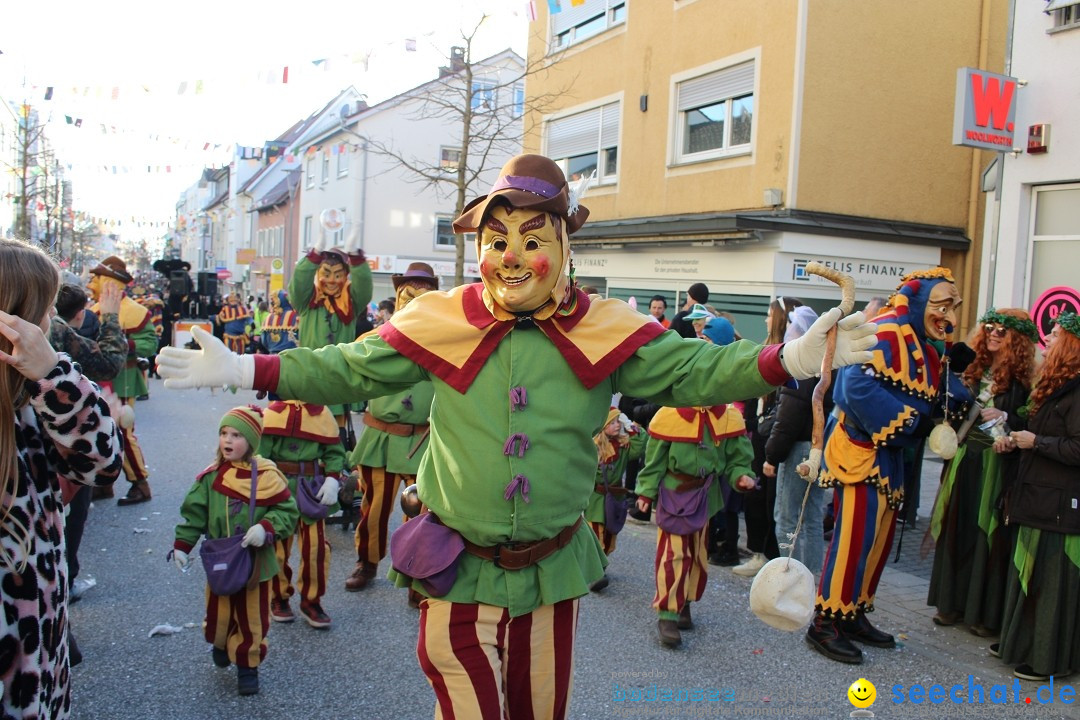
pixel 302 440
pixel 130 383
pixel 214 507
pixel 234 319
pixel 691 452
pixel 882 407
pixel 280 327
pixel 328 319
pixel 606 511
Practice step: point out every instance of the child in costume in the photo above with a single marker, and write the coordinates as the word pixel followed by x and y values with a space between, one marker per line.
pixel 617 443
pixel 691 451
pixel 217 506
pixel 234 319
pixel 391 446
pixel 302 440
pixel 882 407
pixel 524 365
pixel 130 383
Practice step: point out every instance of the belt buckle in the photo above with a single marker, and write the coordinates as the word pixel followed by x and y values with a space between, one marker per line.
pixel 497 555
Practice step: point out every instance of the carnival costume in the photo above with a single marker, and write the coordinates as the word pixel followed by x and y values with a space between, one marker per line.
pixel 691 452
pixel 129 383
pixel 389 450
pixel 234 319
pixel 607 505
pixel 524 366
pixel 972 546
pixel 1043 589
pixel 218 506
pixel 881 408
pixel 280 327
pixel 328 317
pixel 302 440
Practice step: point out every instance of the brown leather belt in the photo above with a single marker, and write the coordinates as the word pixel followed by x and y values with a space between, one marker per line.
pixel 293 468
pixel 613 489
pixel 401 429
pixel 517 556
pixel 686 482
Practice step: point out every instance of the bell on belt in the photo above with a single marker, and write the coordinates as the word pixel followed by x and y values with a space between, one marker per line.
pixel 410 501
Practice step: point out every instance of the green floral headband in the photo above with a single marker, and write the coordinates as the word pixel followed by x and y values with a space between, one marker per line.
pixel 1024 327
pixel 1069 321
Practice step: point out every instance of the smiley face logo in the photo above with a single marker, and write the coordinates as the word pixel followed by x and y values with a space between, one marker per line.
pixel 862 693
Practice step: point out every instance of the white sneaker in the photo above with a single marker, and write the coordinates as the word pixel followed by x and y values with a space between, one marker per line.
pixel 750 567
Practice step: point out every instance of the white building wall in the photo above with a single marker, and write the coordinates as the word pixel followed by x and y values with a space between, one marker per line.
pixel 1046 62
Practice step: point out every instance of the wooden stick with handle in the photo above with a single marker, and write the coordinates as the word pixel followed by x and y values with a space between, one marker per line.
pixel 810 467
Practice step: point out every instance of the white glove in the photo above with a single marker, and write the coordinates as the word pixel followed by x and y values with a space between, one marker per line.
pixel 854 340
pixel 322 239
pixel 180 559
pixel 328 493
pixel 352 240
pixel 626 423
pixel 212 366
pixel 255 536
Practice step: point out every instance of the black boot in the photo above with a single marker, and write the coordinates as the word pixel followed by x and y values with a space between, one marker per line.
pixel 247 680
pixel 861 631
pixel 824 635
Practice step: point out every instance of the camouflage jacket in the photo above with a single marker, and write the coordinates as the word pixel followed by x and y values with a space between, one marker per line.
pixel 100 360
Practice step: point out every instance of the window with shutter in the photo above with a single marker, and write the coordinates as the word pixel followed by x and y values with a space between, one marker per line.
pixel 714 114
pixel 585 142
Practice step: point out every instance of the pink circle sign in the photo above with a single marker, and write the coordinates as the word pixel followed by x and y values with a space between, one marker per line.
pixel 1050 304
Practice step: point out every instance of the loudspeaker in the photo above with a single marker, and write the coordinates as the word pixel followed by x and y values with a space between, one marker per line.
pixel 208 284
pixel 179 283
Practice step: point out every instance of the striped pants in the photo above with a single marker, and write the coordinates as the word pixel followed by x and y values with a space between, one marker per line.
pixel 134 464
pixel 681 571
pixel 238 624
pixel 236 343
pixel 607 539
pixel 858 552
pixel 485 665
pixel 380 490
pixel 314 563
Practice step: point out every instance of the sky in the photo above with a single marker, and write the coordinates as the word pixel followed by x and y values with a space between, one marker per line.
pixel 154 84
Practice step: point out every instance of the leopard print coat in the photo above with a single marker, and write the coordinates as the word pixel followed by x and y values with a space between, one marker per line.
pixel 65 430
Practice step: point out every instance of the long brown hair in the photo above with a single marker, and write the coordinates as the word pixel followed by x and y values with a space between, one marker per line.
pixel 1060 365
pixel 1017 362
pixel 29 281
pixel 779 321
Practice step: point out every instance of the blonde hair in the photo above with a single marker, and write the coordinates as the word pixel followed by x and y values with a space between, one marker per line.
pixel 29 282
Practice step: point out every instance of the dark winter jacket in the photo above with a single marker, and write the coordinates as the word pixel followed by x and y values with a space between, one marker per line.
pixel 1047 490
pixel 794 419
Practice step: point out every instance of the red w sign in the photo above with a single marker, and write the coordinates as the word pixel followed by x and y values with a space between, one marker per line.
pixel 985 110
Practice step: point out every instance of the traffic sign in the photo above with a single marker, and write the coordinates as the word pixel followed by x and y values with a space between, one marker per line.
pixel 224 274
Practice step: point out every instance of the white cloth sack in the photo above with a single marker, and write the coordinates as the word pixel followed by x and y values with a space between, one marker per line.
pixel 783 595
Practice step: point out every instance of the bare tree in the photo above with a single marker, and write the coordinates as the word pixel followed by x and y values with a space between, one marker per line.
pixel 467 96
pixel 27 168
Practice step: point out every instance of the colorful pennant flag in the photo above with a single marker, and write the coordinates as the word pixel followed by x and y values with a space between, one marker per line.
pixel 554 7
pixel 48 93
pixel 530 10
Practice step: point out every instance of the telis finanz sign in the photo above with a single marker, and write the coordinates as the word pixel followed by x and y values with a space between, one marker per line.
pixel 985 110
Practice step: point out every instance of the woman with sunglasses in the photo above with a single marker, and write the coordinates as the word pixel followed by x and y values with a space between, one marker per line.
pixel 1039 630
pixel 973 549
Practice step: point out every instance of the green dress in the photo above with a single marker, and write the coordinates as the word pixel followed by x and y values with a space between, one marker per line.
pixel 611 473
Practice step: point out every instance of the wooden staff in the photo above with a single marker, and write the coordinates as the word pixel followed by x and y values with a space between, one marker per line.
pixel 810 467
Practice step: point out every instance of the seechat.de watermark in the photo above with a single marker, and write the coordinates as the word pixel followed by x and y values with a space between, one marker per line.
pixel 975 693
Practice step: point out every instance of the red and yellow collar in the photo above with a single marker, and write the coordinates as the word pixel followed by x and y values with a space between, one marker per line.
pixel 688 424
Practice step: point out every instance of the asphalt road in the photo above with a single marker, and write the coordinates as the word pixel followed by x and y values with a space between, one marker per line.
pixel 364 666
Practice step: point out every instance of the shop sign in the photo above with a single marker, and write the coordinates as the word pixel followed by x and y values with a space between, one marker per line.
pixel 985 110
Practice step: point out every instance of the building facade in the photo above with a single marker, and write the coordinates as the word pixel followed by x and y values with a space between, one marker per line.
pixel 1033 216
pixel 734 142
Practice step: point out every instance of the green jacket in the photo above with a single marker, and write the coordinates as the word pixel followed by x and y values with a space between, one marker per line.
pixel 318 326
pixel 332 455
pixel 208 511
pixel 375 448
pixel 466 473
pixel 731 458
